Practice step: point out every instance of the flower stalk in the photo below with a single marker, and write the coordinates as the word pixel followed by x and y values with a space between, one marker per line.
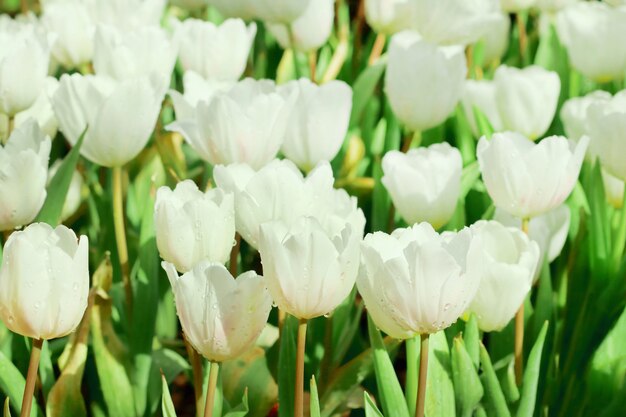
pixel 120 235
pixel 210 392
pixel 423 375
pixel 519 329
pixel 299 387
pixel 31 377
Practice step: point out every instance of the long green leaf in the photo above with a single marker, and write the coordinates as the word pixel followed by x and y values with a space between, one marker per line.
pixel 12 384
pixel 287 366
pixel 167 406
pixel 370 408
pixel 493 392
pixel 467 386
pixel 531 376
pixel 315 399
pixel 439 387
pixel 242 409
pixel 363 89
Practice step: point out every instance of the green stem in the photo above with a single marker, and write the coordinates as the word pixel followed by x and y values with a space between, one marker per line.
pixel 423 377
pixel 519 328
pixel 210 391
pixel 196 370
pixel 31 377
pixel 620 238
pixel 120 236
pixel 410 388
pixel 299 386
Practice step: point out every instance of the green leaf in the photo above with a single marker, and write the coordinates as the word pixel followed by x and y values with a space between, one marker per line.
pixel 287 366
pixel 363 89
pixel 467 386
pixel 242 409
pixel 390 392
pixel 315 400
pixel 470 175
pixel 167 406
pixel 439 387
pixel 59 185
pixel 7 408
pixel 531 376
pixel 12 384
pixel 482 123
pixel 46 371
pixel 170 363
pixel 471 337
pixel 370 408
pixel 495 402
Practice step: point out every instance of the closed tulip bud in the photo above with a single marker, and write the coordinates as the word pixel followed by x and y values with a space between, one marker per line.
pixel 74 197
pixel 41 110
pixel 574 113
pixel 454 22
pixel 496 38
pixel 24 59
pixel 278 191
pixel 390 16
pixel 606 121
pixel 73 26
pixel 243 9
pixel 319 122
pixel 221 316
pixel 217 53
pixel 528 179
pixel 190 4
pixel 280 11
pixel 23 172
pixel 511 6
pixel 423 82
pixel 44 281
pixel 414 280
pixel 246 124
pixel 482 96
pixel 527 99
pixel 597 53
pixel 424 183
pixel 309 31
pixel 548 230
pixel 124 55
pixel 192 226
pixel 121 115
pixel 128 14
pixel 504 260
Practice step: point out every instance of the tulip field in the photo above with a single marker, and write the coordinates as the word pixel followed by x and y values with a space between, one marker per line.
pixel 320 208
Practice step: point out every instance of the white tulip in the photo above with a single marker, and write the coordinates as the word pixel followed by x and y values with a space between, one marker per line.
pixel 453 22
pixel 44 281
pixel 481 95
pixel 23 172
pixel 390 16
pixel 309 31
pixel 592 32
pixel 510 6
pixel 413 281
pixel 127 14
pixel 73 199
pixel 504 260
pixel 124 55
pixel 616 3
pixel 496 38
pixel 549 231
pixel 423 82
pixel 319 122
pixel 190 4
pixel 74 27
pixel 243 9
pixel 280 11
pixel 245 124
pixel 606 123
pixel 424 183
pixel 574 113
pixel 527 179
pixel 553 6
pixel 192 226
pixel 24 59
pixel 196 89
pixel 42 110
pixel 215 52
pixel 527 99
pixel 221 316
pixel 121 115
pixel 614 189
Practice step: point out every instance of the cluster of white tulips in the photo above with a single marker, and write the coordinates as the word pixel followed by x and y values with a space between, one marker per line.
pixel 106 75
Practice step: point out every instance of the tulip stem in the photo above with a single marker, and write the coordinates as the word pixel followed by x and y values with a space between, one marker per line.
pixel 120 236
pixel 24 6
pixel 519 328
pixel 4 139
pixel 523 38
pixel 377 48
pixel 234 254
pixel 423 376
pixel 299 388
pixel 196 370
pixel 412 360
pixel 31 377
pixel 312 64
pixel 210 391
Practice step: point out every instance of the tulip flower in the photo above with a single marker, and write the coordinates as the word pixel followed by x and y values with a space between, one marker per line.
pixel 574 113
pixel 121 115
pixel 389 16
pixel 481 95
pixel 592 33
pixel 496 38
pixel 73 26
pixel 124 55
pixel 614 189
pixel 528 179
pixel 74 197
pixel 310 30
pixel 454 22
pixel 606 121
pixel 504 259
pixel 553 6
pixel 423 82
pixel 128 14
pixel 246 124
pixel 527 99
pixel 197 89
pixel 424 183
pixel 24 59
pixel 319 122
pixel 510 6
pixel 192 226
pixel 41 110
pixel 280 11
pixel 243 9
pixel 23 172
pixel 217 53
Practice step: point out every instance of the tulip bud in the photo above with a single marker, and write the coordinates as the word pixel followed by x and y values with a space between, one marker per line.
pixel 121 115
pixel 481 95
pixel 74 196
pixel 73 25
pixel 527 99
pixel 423 82
pixel 124 55
pixel 414 281
pixel 44 281
pixel 319 122
pixel 309 31
pixel 23 172
pixel 424 183
pixel 41 110
pixel 390 16
pixel 454 22
pixel 215 52
pixel 128 14
pixel 496 38
pixel 243 9
pixel 597 54
pixel 280 11
pixel 504 260
pixel 511 6
pixel 24 59
pixel 245 124
pixel 192 226
pixel 528 179
pixel 574 113
pixel 221 316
